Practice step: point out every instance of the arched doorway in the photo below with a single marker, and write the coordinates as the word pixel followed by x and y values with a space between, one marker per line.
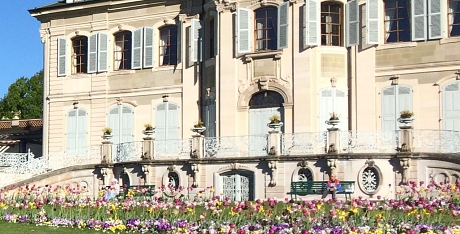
pixel 262 106
pixel 238 185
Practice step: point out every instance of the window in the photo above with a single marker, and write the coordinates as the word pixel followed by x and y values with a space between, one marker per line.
pixel 397 21
pixel 211 49
pixel 80 56
pixel 168 46
pixel 265 29
pixel 395 99
pixel 173 180
pixel 122 51
pixel 305 174
pixel 121 122
pixel 454 18
pixel 167 122
pixel 331 24
pixel 333 100
pixel 76 131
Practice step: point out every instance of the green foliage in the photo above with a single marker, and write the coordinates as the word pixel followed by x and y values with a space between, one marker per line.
pixel 25 95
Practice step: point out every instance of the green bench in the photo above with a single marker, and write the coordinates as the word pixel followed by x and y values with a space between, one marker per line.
pixel 303 188
pixel 138 191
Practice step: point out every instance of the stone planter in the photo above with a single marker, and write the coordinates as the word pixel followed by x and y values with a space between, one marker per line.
pixel 148 132
pixel 405 121
pixel 198 130
pixel 275 126
pixel 333 122
pixel 107 137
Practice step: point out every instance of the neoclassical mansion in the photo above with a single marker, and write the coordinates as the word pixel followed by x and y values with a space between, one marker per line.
pixel 122 64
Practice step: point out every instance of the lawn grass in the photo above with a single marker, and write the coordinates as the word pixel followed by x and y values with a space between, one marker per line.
pixel 23 228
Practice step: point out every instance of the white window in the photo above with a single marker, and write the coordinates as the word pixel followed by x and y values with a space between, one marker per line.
pixel 270 27
pixel 121 122
pixel 166 122
pixel 76 130
pixel 451 106
pixel 395 99
pixel 122 50
pixel 412 20
pixel 88 54
pixel 333 100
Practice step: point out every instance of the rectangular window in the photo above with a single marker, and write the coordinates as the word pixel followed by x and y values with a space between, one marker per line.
pixel 80 56
pixel 122 51
pixel 454 18
pixel 397 21
pixel 211 39
pixel 168 46
pixel 265 29
pixel 331 24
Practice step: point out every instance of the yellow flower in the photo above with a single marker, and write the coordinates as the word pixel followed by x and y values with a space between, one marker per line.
pixel 232 213
pixel 150 210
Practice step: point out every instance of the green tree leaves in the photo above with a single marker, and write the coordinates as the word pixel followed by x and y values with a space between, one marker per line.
pixel 25 95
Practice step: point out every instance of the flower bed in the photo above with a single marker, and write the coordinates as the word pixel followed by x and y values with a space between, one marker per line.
pixel 418 209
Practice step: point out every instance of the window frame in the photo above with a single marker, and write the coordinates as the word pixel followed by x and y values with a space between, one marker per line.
pixel 266 31
pixel 397 20
pixel 449 24
pixel 126 59
pixel 82 67
pixel 170 44
pixel 340 24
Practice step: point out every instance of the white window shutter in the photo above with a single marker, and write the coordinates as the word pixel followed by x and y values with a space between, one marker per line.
pixel 102 53
pixel 81 129
pixel 92 53
pixel 312 23
pixel 352 18
pixel 160 122
pixel 71 130
pixel 61 56
pixel 180 27
pixel 418 21
pixel 172 128
pixel 114 124
pixel 195 40
pixel 373 28
pixel 283 25
pixel 243 34
pixel 136 57
pixel 389 109
pixel 216 33
pixel 127 124
pixel 149 38
pixel 435 19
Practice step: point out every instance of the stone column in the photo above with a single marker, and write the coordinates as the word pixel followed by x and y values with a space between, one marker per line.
pixel 148 149
pixel 333 146
pixel 274 143
pixel 197 146
pixel 106 152
pixel 406 139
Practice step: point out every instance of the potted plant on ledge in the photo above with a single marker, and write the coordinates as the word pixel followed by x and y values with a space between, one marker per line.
pixel 275 122
pixel 199 127
pixel 406 117
pixel 107 133
pixel 149 129
pixel 334 120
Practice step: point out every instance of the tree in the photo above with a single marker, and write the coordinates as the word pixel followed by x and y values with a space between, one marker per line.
pixel 25 95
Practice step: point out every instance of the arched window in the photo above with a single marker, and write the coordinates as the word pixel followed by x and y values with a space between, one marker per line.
pixel 79 54
pixel 167 122
pixel 168 46
pixel 122 50
pixel 331 24
pixel 121 121
pixel 451 107
pixel 266 21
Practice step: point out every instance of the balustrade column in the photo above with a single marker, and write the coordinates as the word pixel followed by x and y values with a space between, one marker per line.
pixel 406 139
pixel 333 141
pixel 197 146
pixel 148 146
pixel 274 143
pixel 106 152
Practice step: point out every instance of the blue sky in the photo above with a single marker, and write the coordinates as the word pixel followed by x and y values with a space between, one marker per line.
pixel 21 51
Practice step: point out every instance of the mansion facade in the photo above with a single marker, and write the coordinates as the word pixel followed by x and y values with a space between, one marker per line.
pixel 233 64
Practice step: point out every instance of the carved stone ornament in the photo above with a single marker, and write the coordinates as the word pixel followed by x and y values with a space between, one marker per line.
pixel 303 164
pixel 120 27
pixel 171 168
pixel 273 166
pixel 145 169
pixel 263 82
pixel 225 5
pixel 370 163
pixel 119 100
pixel 196 170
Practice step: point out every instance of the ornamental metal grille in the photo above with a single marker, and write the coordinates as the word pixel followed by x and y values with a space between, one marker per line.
pixel 238 187
pixel 173 180
pixel 370 179
pixel 305 174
